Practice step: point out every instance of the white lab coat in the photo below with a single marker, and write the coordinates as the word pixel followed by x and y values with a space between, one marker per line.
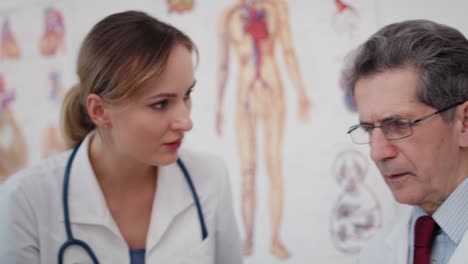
pixel 32 227
pixel 390 246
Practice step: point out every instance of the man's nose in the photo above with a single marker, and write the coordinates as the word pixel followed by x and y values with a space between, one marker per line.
pixel 380 147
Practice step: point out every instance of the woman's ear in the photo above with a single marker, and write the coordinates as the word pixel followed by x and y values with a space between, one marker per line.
pixel 464 121
pixel 97 110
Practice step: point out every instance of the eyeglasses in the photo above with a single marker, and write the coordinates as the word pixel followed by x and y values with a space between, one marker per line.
pixel 393 129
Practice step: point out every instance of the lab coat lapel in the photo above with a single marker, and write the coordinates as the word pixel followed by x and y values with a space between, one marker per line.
pixel 397 239
pixel 172 197
pixel 460 255
pixel 86 201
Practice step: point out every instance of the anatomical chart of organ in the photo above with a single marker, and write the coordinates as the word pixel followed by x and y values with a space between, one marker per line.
pixel 52 141
pixel 352 22
pixel 13 155
pixel 347 97
pixel 53 37
pixel 9 48
pixel 357 213
pixel 180 6
pixel 346 18
pixel 251 31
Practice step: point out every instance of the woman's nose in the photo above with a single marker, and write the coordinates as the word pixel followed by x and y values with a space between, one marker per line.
pixel 183 121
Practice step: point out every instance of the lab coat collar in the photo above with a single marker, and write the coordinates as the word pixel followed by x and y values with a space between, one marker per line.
pixel 460 255
pixel 86 201
pixel 172 197
pixel 397 239
pixel 87 204
pixel 397 242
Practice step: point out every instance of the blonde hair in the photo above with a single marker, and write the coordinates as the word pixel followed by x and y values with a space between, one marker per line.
pixel 116 60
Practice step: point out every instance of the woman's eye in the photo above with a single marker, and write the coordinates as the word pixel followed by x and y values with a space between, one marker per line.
pixel 160 105
pixel 188 94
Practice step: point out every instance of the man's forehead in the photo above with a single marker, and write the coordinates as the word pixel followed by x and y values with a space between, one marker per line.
pixel 410 109
pixel 388 93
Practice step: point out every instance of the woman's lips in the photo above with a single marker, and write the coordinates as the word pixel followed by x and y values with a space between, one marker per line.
pixel 174 144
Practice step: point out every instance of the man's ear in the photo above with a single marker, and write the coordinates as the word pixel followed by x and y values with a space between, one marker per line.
pixel 463 108
pixel 97 110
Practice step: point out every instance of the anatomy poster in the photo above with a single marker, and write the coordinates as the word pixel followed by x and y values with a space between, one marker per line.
pixel 275 109
pixel 269 101
pixel 357 212
pixel 9 47
pixel 180 6
pixel 13 154
pixel 52 141
pixel 253 30
pixel 53 36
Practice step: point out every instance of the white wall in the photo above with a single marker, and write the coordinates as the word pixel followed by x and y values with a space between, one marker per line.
pixel 450 12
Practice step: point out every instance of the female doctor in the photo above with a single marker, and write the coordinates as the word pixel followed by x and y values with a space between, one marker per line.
pixel 125 194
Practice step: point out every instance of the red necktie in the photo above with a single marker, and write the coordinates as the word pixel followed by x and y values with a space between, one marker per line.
pixel 424 233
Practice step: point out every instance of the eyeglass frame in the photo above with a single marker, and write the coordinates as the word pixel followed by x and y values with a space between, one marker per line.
pixel 411 123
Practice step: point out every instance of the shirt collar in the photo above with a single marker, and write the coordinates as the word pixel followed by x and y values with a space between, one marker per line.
pixel 452 214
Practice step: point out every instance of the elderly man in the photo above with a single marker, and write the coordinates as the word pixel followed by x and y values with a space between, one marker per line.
pixel 410 83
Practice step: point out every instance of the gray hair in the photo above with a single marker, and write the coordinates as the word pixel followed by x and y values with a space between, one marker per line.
pixel 438 52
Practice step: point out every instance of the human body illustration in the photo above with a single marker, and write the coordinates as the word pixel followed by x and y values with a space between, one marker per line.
pixel 357 213
pixel 345 18
pixel 9 48
pixel 253 29
pixel 180 6
pixel 12 142
pixel 53 37
pixel 52 141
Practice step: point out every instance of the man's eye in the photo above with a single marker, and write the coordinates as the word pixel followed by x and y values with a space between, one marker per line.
pixel 366 128
pixel 402 123
pixel 397 124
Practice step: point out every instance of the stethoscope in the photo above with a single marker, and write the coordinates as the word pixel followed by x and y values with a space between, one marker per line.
pixel 71 241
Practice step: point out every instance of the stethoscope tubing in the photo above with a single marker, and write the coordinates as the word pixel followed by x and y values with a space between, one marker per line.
pixel 71 241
